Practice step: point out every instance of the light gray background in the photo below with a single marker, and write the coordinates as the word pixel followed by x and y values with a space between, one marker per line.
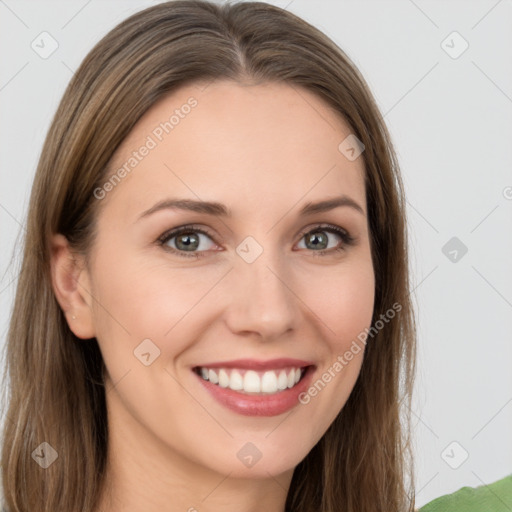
pixel 451 121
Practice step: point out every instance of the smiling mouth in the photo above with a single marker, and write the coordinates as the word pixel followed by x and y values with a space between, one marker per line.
pixel 253 382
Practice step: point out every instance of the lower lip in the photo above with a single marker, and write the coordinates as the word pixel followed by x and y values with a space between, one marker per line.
pixel 259 405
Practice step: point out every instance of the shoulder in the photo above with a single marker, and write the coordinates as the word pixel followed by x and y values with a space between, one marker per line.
pixel 495 497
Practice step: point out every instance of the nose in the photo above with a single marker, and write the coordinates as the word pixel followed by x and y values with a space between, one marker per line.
pixel 261 299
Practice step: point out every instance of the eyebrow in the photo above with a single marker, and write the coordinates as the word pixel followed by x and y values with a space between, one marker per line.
pixel 220 210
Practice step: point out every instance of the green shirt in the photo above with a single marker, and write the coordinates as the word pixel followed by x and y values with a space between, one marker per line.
pixel 495 497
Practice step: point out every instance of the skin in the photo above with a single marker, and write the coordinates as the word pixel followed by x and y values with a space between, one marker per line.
pixel 264 151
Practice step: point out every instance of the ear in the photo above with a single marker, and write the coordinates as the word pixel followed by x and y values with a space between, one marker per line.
pixel 71 285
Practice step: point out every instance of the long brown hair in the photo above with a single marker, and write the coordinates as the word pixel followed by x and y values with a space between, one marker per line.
pixel 56 395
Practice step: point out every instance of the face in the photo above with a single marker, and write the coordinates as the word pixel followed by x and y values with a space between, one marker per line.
pixel 254 294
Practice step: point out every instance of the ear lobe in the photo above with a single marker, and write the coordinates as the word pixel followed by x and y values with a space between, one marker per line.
pixel 74 300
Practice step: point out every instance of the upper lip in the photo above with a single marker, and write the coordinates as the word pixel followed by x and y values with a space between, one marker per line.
pixel 255 364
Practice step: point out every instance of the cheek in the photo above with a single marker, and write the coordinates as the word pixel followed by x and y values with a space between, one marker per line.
pixel 137 300
pixel 344 306
pixel 343 301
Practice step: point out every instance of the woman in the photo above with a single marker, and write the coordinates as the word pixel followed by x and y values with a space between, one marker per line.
pixel 193 343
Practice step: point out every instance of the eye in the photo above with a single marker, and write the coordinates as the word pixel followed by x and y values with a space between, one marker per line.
pixel 316 238
pixel 188 239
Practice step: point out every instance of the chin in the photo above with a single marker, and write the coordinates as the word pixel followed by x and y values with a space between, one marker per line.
pixel 259 457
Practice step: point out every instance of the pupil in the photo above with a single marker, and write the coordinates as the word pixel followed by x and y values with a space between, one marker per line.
pixel 321 238
pixel 187 245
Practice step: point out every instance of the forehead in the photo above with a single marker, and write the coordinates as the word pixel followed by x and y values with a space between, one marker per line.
pixel 246 145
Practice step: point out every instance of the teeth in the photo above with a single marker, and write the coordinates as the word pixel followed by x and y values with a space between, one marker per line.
pixel 235 381
pixel 291 379
pixel 249 381
pixel 282 381
pixel 223 379
pixel 213 377
pixel 252 382
pixel 269 382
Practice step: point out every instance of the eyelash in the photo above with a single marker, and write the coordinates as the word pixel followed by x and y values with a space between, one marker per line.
pixel 347 239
